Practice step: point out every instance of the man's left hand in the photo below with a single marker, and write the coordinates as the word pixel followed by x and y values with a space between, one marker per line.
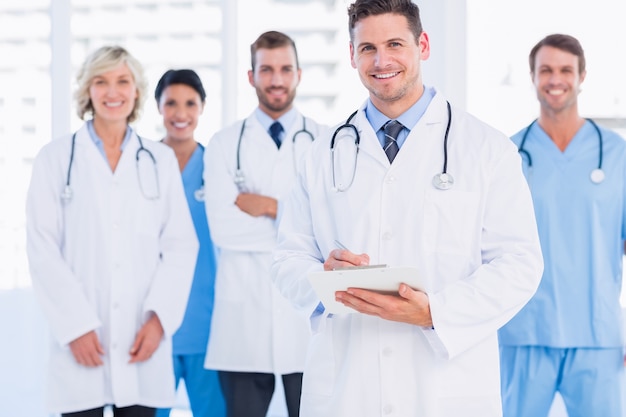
pixel 409 306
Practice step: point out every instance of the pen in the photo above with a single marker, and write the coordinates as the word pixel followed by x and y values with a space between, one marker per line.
pixel 341 245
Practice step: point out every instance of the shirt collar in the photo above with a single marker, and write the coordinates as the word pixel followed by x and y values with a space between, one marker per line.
pixel 98 141
pixel 287 119
pixel 408 119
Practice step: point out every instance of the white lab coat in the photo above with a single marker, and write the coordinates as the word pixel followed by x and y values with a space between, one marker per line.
pixel 101 262
pixel 476 243
pixel 254 329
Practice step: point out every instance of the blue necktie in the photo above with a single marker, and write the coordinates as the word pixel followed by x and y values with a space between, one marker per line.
pixel 392 128
pixel 275 129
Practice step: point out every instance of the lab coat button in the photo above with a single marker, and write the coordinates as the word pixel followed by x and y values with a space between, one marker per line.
pixel 387 409
pixel 116 306
pixel 387 351
pixel 387 236
pixel 391 179
pixel 116 226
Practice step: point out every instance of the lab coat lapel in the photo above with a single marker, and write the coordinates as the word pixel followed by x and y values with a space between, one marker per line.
pixel 127 160
pixel 85 144
pixel 287 142
pixel 426 137
pixel 257 151
pixel 423 133
pixel 83 140
pixel 255 132
pixel 369 141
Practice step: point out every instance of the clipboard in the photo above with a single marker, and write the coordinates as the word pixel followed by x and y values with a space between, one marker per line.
pixel 381 279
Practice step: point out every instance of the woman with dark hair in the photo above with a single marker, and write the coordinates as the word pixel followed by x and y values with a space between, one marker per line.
pixel 180 98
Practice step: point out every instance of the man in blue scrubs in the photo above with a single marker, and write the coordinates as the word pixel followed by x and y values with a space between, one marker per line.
pixel 568 338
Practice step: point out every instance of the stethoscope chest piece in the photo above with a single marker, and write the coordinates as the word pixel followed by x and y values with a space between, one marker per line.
pixel 443 181
pixel 66 195
pixel 240 180
pixel 597 176
pixel 199 194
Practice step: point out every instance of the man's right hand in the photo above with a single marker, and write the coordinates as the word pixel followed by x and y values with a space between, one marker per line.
pixel 87 350
pixel 341 258
pixel 257 205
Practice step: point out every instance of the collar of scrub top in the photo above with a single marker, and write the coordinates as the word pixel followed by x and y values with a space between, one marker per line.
pixel 98 141
pixel 287 120
pixel 408 119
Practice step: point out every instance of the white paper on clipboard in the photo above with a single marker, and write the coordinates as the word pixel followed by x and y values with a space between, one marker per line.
pixel 384 279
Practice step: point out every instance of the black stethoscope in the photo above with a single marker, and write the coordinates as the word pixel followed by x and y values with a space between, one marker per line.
pixel 441 181
pixel 68 193
pixel 240 179
pixel 597 174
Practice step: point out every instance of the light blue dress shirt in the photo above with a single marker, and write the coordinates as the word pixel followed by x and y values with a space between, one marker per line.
pixel 408 119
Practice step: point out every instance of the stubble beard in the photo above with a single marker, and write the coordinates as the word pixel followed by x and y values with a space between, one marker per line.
pixel 276 106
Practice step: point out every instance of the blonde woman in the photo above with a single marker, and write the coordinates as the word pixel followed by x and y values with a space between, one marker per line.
pixel 111 248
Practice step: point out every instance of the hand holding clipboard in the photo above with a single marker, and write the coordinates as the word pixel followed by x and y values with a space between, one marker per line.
pixel 379 278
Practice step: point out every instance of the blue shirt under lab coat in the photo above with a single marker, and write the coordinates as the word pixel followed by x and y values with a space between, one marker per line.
pixel 193 334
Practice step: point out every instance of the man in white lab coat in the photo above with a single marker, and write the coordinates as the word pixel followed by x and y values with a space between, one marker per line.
pixel 255 332
pixel 443 193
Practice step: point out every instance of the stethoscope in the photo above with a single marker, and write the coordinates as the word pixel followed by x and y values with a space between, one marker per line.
pixel 68 193
pixel 199 193
pixel 240 179
pixel 442 181
pixel 597 174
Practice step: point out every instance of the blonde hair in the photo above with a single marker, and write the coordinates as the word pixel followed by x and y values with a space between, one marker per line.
pixel 100 61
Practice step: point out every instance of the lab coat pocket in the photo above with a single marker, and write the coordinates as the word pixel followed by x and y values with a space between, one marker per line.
pixel 452 220
pixel 319 373
pixel 469 384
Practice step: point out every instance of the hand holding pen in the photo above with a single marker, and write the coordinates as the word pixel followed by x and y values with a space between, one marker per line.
pixel 342 257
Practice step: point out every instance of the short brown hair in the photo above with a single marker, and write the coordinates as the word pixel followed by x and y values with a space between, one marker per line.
pixel 272 40
pixel 361 9
pixel 565 43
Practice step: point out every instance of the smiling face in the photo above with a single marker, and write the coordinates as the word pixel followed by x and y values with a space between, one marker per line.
pixel 181 106
pixel 557 79
pixel 388 58
pixel 275 77
pixel 113 95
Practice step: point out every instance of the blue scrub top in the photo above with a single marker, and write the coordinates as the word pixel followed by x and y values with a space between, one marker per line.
pixel 193 334
pixel 581 228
